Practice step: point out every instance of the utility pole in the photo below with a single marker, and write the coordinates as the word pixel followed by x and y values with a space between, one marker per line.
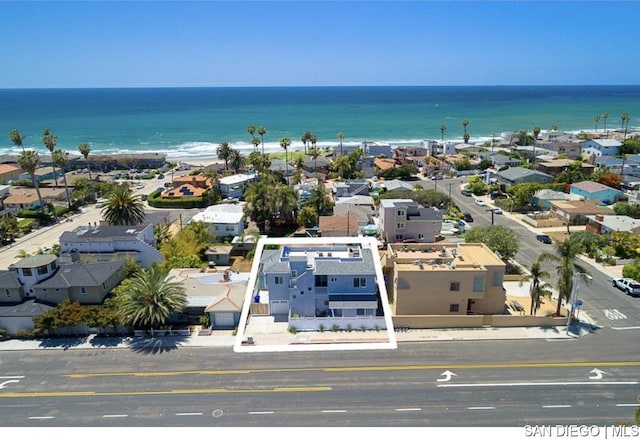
pixel 450 184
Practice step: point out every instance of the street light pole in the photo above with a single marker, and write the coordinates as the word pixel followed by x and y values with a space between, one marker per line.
pixel 574 296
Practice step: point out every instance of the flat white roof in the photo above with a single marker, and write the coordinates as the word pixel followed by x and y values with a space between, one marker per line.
pixel 237 178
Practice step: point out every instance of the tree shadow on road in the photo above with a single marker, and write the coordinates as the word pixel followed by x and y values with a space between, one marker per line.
pixel 64 343
pixel 156 345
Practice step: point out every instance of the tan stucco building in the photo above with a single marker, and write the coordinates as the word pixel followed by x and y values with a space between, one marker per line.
pixel 447 279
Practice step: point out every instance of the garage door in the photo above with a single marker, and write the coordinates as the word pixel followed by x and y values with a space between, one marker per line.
pixel 224 319
pixel 279 307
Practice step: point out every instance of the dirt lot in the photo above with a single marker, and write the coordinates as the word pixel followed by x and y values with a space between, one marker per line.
pixel 547 307
pixel 241 264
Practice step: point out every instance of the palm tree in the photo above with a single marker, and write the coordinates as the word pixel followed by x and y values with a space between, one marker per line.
pixel 443 128
pixel 340 136
pixel 224 153
pixel 50 141
pixel 17 138
pixel 538 288
pixel 536 131
pixel 60 160
pixel 465 136
pixel 262 131
pixel 596 119
pixel 625 123
pixel 314 153
pixel 564 258
pixel 151 298
pixel 29 161
pixel 285 143
pixel 236 160
pixel 251 129
pixel 122 208
pixel 255 142
pixel 85 149
pixel 605 115
pixel 306 138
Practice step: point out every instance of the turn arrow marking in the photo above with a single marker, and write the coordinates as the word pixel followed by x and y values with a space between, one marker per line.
pixel 447 376
pixel 598 374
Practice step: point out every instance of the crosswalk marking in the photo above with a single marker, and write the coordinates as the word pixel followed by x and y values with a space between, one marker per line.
pixel 614 314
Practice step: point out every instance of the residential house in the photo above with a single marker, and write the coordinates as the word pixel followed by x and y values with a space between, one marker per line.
pixel 338 225
pixel 11 290
pixel 223 220
pixel 557 166
pixel 543 197
pixel 280 166
pixel 85 282
pixel 500 161
pixel 27 198
pixel 234 186
pixel 363 214
pixel 188 186
pixel 316 167
pixel 384 164
pixel 554 136
pixel 600 147
pixel 19 318
pixel 436 147
pixel 351 188
pixel 444 279
pixel 576 212
pixel 34 269
pixel 9 173
pixel 219 255
pixel 374 149
pixel 397 185
pixel 105 162
pixel 573 150
pixel 512 176
pixel 104 242
pixel 406 220
pixel 411 155
pixel 592 190
pixel 321 281
pixel 607 224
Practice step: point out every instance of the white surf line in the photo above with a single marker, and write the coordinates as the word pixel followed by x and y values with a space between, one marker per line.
pixel 558 406
pixel 261 413
pixel 41 417
pixel 188 414
pixel 481 408
pixel 115 416
pixel 334 411
pixel 568 383
pixel 411 409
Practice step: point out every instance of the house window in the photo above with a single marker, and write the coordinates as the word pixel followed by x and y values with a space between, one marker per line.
pixel 359 282
pixel 83 291
pixel 454 286
pixel 454 307
pixel 26 272
pixel 399 237
pixel 279 280
pixel 478 284
pixel 497 278
pixel 337 313
pixel 42 270
pixel 401 213
pixel 7 292
pixel 294 273
pixel 400 226
pixel 420 236
pixel 321 280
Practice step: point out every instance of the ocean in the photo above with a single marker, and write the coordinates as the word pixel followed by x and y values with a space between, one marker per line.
pixel 190 123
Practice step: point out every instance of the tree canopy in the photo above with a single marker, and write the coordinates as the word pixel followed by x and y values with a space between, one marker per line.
pixel 500 239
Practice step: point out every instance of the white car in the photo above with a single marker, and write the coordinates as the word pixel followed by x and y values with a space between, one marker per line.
pixel 630 286
pixel 479 202
pixel 497 211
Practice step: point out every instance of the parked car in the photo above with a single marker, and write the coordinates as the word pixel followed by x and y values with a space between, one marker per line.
pixel 629 286
pixel 545 239
pixel 437 177
pixel 467 217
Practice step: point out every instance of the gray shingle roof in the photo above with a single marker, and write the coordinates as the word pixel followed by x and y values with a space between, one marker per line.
pixel 81 275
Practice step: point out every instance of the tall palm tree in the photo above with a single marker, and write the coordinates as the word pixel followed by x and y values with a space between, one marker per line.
pixel 85 149
pixel 236 160
pixel 285 143
pixel 262 131
pixel 122 208
pixel 50 141
pixel 306 138
pixel 605 115
pixel 151 298
pixel 564 258
pixel 29 161
pixel 443 128
pixel 465 122
pixel 538 289
pixel 340 137
pixel 596 119
pixel 224 153
pixel 17 138
pixel 314 153
pixel 255 142
pixel 251 129
pixel 625 123
pixel 60 160
pixel 536 131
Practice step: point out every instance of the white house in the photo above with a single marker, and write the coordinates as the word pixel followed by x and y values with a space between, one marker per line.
pixel 136 241
pixel 233 186
pixel 222 219
pixel 600 147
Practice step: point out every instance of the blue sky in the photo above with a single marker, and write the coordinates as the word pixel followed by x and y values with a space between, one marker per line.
pixel 267 43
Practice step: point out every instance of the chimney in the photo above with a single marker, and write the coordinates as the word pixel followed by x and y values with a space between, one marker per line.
pixel 599 218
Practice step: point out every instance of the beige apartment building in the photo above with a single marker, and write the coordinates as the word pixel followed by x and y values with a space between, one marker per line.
pixel 444 279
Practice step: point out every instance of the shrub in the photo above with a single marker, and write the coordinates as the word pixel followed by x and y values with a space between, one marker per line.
pixel 293 330
pixel 335 328
pixel 349 328
pixel 321 328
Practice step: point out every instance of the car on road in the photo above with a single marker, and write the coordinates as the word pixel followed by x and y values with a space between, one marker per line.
pixel 437 177
pixel 545 239
pixel 479 202
pixel 466 192
pixel 497 211
pixel 629 286
pixel 467 217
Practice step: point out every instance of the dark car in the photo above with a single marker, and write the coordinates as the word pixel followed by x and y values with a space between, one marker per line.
pixel 545 239
pixel 466 192
pixel 468 218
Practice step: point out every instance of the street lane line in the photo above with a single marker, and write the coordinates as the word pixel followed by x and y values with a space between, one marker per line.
pixel 558 406
pixel 413 409
pixel 627 405
pixel 481 408
pixel 576 383
pixel 334 411
pixel 14 377
pixel 261 413
pixel 115 416
pixel 188 414
pixel 41 417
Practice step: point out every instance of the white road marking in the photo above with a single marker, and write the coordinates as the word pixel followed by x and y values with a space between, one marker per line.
pixel 188 414
pixel 627 405
pixel 614 314
pixel 414 409
pixel 334 411
pixel 559 406
pixel 261 413
pixel 576 383
pixel 481 408
pixel 625 328
pixel 14 377
pixel 41 417
pixel 115 416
